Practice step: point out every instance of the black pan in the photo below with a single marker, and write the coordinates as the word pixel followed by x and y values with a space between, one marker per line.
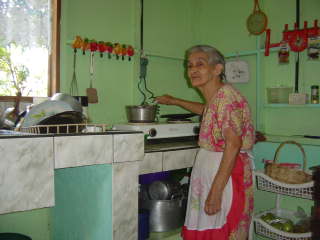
pixel 179 116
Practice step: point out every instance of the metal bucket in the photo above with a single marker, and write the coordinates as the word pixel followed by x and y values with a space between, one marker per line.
pixel 165 215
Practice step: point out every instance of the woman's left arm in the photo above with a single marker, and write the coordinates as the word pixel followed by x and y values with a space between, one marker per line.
pixel 232 148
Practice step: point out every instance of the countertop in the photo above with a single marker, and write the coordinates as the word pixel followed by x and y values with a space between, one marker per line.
pixel 15 134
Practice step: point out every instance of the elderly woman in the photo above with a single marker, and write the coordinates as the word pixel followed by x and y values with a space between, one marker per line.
pixel 220 201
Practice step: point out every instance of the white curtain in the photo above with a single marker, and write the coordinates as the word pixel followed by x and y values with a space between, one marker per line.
pixel 25 22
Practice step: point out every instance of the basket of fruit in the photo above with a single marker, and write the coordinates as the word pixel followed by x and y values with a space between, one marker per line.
pixel 282 224
pixel 287 173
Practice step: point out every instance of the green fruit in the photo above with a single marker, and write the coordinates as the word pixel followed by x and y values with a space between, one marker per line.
pixel 287 226
pixel 277 225
pixel 268 217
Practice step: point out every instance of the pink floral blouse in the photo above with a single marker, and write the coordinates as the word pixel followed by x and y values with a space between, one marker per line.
pixel 228 109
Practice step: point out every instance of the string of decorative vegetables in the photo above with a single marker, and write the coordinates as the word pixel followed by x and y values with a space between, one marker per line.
pixel 102 47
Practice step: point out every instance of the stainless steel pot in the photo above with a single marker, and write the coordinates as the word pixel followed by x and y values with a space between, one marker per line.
pixel 165 215
pixel 73 102
pixel 164 190
pixel 141 113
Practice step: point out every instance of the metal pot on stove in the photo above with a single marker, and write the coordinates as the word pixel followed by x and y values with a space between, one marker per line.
pixel 145 113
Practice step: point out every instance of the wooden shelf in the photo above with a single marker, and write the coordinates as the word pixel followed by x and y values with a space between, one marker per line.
pixel 282 105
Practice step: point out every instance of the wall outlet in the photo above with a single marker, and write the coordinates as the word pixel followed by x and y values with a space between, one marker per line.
pixel 298 98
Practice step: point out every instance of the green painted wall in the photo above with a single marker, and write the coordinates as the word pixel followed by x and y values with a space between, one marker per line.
pixel 290 121
pixel 33 223
pixel 114 21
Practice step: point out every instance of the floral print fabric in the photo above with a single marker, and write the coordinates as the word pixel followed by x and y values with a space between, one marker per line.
pixel 228 109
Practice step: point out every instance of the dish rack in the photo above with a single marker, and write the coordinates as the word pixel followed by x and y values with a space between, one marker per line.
pixel 65 128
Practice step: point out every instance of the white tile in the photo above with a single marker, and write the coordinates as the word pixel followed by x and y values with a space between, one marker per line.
pixel 73 151
pixel 128 147
pixel 178 159
pixel 26 174
pixel 125 201
pixel 152 162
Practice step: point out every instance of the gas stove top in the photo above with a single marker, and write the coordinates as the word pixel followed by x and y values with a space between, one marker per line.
pixel 162 130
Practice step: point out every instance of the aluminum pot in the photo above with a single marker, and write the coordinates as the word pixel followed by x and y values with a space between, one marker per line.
pixel 163 190
pixel 142 113
pixel 73 102
pixel 165 215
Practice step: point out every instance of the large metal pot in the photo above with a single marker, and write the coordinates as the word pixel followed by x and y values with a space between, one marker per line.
pixel 164 190
pixel 165 215
pixel 142 113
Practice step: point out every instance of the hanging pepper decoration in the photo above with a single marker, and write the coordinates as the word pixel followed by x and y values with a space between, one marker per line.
pixel 130 52
pixel 109 48
pixel 123 51
pixel 93 45
pixel 102 48
pixel 117 50
pixel 77 43
pixel 85 46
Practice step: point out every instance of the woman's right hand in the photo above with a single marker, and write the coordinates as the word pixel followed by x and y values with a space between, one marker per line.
pixel 166 99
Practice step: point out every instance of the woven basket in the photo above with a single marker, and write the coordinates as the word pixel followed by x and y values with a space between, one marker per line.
pixel 287 174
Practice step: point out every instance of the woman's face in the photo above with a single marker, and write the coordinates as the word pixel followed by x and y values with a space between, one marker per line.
pixel 200 71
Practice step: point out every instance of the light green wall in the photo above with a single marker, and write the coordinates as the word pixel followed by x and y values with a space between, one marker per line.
pixel 290 121
pixel 114 21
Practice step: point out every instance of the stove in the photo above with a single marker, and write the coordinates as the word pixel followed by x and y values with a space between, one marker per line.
pixel 162 130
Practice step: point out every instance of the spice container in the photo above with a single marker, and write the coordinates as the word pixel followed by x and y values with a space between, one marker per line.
pixel 314 94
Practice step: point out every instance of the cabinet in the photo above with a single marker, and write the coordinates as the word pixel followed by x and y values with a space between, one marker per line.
pixel 266 183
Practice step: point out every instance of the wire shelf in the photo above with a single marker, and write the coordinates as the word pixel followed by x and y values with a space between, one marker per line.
pixel 264 229
pixel 264 182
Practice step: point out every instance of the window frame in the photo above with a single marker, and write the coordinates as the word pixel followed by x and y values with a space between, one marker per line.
pixel 53 58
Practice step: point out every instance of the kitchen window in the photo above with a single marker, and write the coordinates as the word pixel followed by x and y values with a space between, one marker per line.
pixel 29 48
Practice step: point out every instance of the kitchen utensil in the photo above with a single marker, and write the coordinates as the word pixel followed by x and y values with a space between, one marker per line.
pixel 92 92
pixel 257 22
pixel 74 83
pixel 10 116
pixel 165 215
pixel 163 190
pixel 73 102
pixel 142 113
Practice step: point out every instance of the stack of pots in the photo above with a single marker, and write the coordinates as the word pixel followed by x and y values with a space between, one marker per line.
pixel 166 204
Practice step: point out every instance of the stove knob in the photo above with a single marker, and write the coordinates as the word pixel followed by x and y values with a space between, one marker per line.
pixel 152 132
pixel 196 130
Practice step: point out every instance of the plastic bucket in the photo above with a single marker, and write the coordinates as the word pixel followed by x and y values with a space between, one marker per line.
pixel 143 224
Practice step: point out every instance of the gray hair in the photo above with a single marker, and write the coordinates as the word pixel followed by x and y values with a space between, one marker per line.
pixel 215 56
